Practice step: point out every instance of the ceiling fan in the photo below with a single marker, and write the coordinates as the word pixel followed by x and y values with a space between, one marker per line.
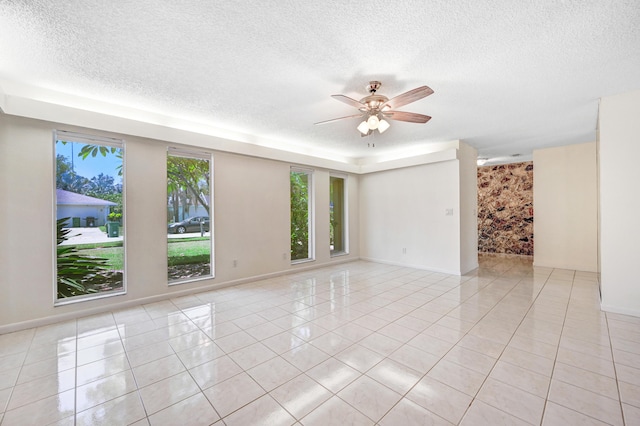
pixel 375 109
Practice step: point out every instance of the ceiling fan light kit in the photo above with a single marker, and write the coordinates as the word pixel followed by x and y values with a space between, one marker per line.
pixel 375 109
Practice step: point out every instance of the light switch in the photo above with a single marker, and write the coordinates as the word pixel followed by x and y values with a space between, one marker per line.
pixel 448 212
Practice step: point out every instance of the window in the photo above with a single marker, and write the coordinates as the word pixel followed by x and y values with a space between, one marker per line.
pixel 301 215
pixel 189 216
pixel 337 216
pixel 89 206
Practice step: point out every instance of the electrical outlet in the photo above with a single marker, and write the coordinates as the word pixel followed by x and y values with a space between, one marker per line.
pixel 404 251
pixel 448 212
pixel 284 256
pixel 235 263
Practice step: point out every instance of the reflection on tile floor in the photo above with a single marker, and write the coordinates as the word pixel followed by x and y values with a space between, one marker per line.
pixel 356 343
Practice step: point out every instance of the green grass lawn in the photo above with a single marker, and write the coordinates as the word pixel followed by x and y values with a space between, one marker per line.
pixel 183 251
pixel 188 252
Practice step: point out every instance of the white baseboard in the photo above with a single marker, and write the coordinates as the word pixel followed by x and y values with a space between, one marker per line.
pixel 410 265
pixel 618 310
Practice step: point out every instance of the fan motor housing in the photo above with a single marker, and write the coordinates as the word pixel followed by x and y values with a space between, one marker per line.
pixel 373 102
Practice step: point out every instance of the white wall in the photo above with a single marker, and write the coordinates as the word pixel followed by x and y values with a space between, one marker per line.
pixel 468 214
pixel 619 153
pixel 402 217
pixel 251 203
pixel 565 202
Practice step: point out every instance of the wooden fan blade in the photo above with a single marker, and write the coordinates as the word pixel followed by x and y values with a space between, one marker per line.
pixel 408 97
pixel 349 101
pixel 410 117
pixel 338 119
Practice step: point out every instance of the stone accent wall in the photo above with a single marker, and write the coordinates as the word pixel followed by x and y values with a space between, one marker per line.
pixel 505 209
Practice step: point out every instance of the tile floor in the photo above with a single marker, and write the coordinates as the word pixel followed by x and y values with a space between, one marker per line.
pixel 354 344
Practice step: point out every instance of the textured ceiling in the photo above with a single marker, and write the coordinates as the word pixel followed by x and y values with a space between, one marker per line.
pixel 508 76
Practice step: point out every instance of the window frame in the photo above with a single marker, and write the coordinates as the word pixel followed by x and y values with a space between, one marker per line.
pixel 91 140
pixel 198 154
pixel 345 214
pixel 310 216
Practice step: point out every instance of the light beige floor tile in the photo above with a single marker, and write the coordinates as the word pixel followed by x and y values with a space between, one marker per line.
pixel 305 356
pixel 200 354
pixel 412 323
pixel 282 342
pixel 629 394
pixel 4 398
pixel 534 346
pixel 593 382
pixel 234 393
pixel 395 376
pixel 189 340
pixel 53 350
pixel 512 400
pixel 145 354
pixel 527 360
pixel 353 332
pixel 557 415
pixel 481 345
pixel 125 409
pixel 263 411
pixel 96 353
pixel 43 411
pixel 594 349
pixel 407 413
pixel 155 371
pixel 235 341
pixel 440 399
pixel 214 372
pixel 136 328
pixel 97 339
pixel 414 358
pixel 252 355
pixel 521 378
pixel 586 402
pixel 381 344
pixel 628 374
pixel 160 395
pixel 309 331
pixel 471 359
pixel 626 358
pixel 273 373
pixel 12 362
pixel 359 357
pixel 101 369
pixel 300 395
pixel 103 390
pixel 586 362
pixel 398 332
pixel 457 376
pixel 331 343
pixel 480 413
pixel 263 331
pixel 369 397
pixel 193 411
pixel 44 368
pixel 631 415
pixel 43 387
pixel 333 374
pixel 336 412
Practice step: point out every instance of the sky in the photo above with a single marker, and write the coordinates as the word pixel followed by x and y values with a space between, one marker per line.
pixel 91 166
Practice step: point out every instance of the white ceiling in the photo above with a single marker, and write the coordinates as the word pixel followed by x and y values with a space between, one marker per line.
pixel 509 76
